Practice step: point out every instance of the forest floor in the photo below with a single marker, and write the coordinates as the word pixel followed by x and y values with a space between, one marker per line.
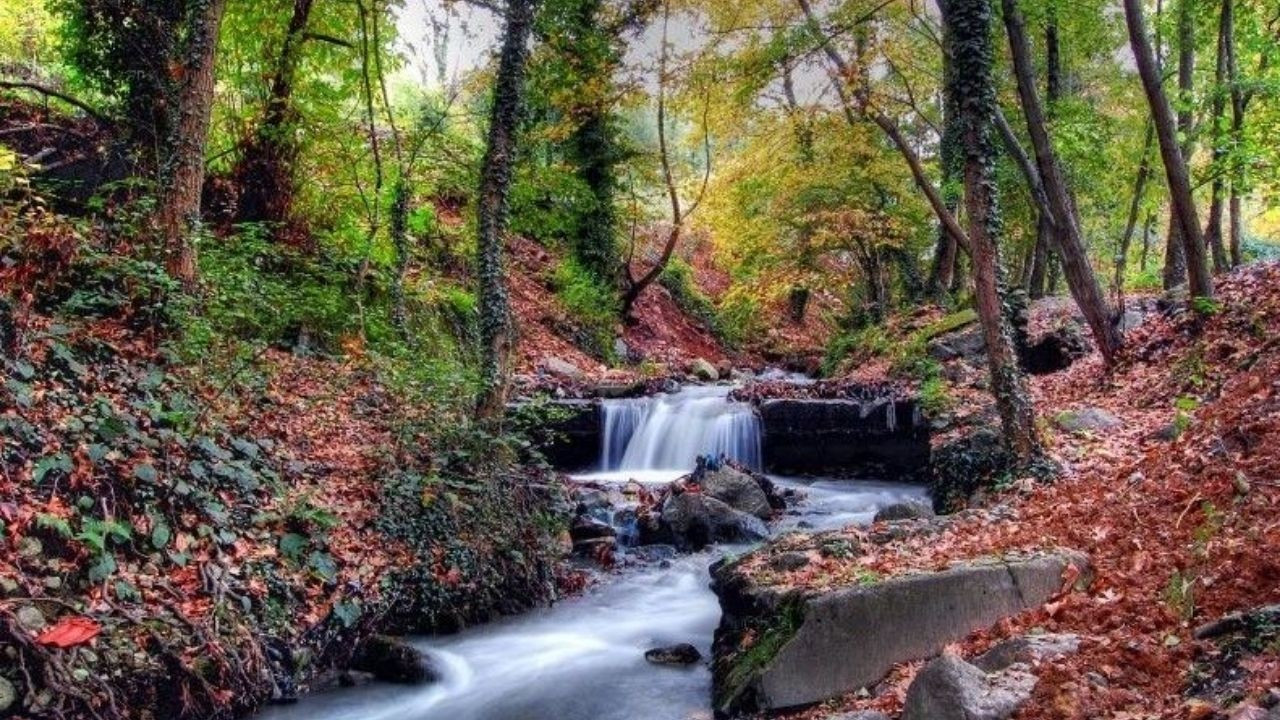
pixel 1176 501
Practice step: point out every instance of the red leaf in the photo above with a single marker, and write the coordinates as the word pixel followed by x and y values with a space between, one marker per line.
pixel 69 632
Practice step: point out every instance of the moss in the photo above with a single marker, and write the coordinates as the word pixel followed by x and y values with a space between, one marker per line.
pixel 771 636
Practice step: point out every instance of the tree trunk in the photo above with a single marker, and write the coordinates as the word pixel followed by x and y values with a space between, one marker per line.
pixel 1213 230
pixel 1065 225
pixel 942 274
pixel 491 211
pixel 1131 222
pixel 266 166
pixel 1239 102
pixel 1171 154
pixel 178 210
pixel 1148 227
pixel 974 89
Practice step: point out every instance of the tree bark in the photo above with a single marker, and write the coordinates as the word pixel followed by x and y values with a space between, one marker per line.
pixel 1131 222
pixel 266 167
pixel 1171 154
pixel 1213 229
pixel 1064 224
pixel 636 286
pixel 178 210
pixel 1239 103
pixel 973 86
pixel 491 212
pixel 942 274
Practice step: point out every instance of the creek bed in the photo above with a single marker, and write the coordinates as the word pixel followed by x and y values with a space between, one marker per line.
pixel 583 659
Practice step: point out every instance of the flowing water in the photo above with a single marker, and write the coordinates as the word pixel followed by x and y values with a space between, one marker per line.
pixel 583 659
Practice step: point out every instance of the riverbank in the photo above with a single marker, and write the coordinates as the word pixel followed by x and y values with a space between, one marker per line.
pixel 1168 486
pixel 175 547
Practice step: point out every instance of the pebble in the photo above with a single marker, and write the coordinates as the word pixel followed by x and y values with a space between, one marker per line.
pixel 30 618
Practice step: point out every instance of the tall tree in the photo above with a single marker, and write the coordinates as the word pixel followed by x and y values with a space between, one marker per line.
pixel 491 211
pixel 1175 165
pixel 1217 200
pixel 1063 220
pixel 973 86
pixel 943 271
pixel 182 174
pixel 637 284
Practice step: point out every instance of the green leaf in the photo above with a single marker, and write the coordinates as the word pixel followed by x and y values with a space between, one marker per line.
pixel 103 568
pixel 160 534
pixel 348 612
pixel 292 545
pixel 323 564
pixel 60 463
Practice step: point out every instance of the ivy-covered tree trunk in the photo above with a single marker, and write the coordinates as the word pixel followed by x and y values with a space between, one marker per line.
pixel 973 88
pixel 266 167
pixel 182 174
pixel 1064 222
pixel 942 273
pixel 491 212
pixel 1179 180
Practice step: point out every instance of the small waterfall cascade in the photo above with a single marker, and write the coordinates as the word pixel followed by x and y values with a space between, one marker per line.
pixel 669 432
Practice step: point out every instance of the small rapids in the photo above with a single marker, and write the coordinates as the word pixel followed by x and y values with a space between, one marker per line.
pixel 583 659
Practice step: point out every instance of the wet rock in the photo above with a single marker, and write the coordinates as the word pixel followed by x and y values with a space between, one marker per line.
pixel 393 660
pixel 653 553
pixel 738 490
pixel 696 520
pixel 624 389
pixel 682 654
pixel 1088 419
pixel 948 688
pixel 8 695
pixel 585 527
pixel 354 678
pixel 704 370
pixel 908 510
pixel 590 499
pixel 883 437
pixel 1028 650
pixel 562 368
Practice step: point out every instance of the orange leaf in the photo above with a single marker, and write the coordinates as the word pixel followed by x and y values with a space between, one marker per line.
pixel 69 632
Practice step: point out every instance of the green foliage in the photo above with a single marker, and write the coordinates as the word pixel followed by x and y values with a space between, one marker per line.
pixel 592 305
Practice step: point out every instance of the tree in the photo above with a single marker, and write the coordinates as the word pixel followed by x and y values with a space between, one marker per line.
pixel 491 209
pixel 973 87
pixel 1176 174
pixel 266 168
pixel 182 175
pixel 636 285
pixel 943 271
pixel 1064 224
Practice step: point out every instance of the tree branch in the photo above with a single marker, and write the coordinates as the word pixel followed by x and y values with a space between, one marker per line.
pixel 50 92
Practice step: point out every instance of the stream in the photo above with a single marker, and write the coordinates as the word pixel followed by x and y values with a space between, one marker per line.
pixel 583 659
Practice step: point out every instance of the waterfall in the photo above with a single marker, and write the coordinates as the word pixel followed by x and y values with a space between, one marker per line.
pixel 669 432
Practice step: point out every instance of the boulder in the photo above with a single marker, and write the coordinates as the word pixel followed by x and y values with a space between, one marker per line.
pixel 696 520
pixel 562 368
pixel 908 510
pixel 948 688
pixel 738 490
pixel 1027 650
pixel 585 527
pixel 1088 419
pixel 393 660
pixel 704 370
pixel 788 561
pixel 828 644
pixel 682 654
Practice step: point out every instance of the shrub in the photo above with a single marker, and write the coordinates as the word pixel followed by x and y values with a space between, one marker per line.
pixel 592 305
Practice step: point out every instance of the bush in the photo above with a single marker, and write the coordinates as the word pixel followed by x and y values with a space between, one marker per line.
pixel 593 306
